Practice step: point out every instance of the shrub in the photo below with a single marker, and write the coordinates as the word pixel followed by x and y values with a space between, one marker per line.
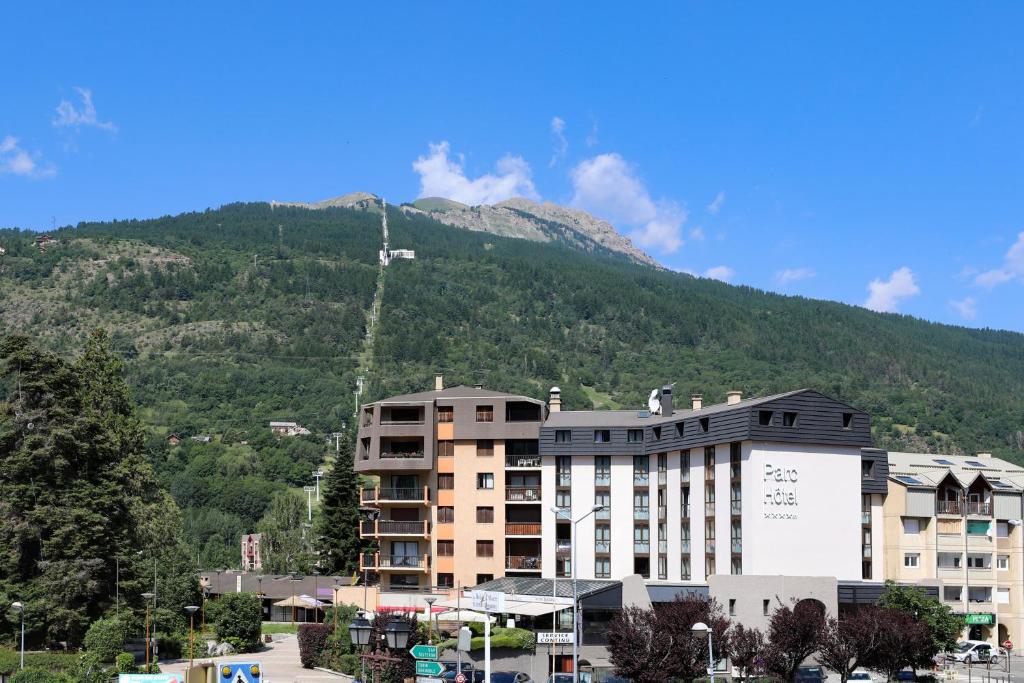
pixel 125 663
pixel 238 616
pixel 36 675
pixel 105 638
pixel 313 642
pixel 172 646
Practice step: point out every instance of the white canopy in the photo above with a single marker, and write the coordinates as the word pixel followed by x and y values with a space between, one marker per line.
pixel 526 608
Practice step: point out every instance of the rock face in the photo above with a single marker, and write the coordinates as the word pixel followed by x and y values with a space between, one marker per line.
pixel 519 218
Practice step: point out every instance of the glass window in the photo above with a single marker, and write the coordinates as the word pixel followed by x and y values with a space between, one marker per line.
pixel 563 499
pixel 1002 562
pixel 445 514
pixel 602 436
pixel 485 514
pixel 1002 530
pixel 684 568
pixel 1002 596
pixel 563 436
pixel 911 525
pixel 911 560
pixel 445 482
pixel 603 470
pixel 445 414
pixel 445 449
pixel 662 567
pixel 445 548
pixel 635 436
pixel 485 447
pixel 485 548
pixel 978 527
pixel 485 413
pixel 485 480
pixel 602 568
pixel 446 581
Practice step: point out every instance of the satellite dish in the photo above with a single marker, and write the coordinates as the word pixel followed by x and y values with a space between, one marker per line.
pixel 654 402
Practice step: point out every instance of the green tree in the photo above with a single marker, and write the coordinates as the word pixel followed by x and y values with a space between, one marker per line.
pixel 286 546
pixel 337 529
pixel 238 619
pixel 944 626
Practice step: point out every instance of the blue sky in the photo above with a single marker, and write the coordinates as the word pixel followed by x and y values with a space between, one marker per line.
pixel 867 153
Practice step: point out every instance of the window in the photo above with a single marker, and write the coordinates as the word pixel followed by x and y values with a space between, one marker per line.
pixel 635 436
pixel 445 548
pixel 952 593
pixel 563 471
pixel 709 565
pixel 563 436
pixel 1002 530
pixel 1002 596
pixel 705 424
pixel 485 480
pixel 485 514
pixel 445 514
pixel 445 414
pixel 563 499
pixel 709 531
pixel 867 469
pixel 736 566
pixel 485 413
pixel 602 436
pixel 641 469
pixel 684 568
pixel 446 581
pixel 445 449
pixel 732 607
pixel 847 420
pixel 911 560
pixel 485 548
pixel 662 567
pixel 911 525
pixel 662 462
pixel 656 431
pixel 948 526
pixel 949 560
pixel 976 561
pixel 1002 562
pixel 602 538
pixel 788 419
pixel 709 461
pixel 602 568
pixel 602 470
pixel 603 498
pixel 484 578
pixel 765 606
pixel 764 417
pixel 445 482
pixel 485 447
pixel 404 581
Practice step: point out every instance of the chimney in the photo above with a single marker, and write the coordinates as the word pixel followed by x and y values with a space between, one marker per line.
pixel 666 399
pixel 697 401
pixel 555 400
pixel 438 382
pixel 733 397
pixel 984 455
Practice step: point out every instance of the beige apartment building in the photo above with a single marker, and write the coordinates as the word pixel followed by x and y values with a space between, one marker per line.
pixel 956 520
pixel 458 501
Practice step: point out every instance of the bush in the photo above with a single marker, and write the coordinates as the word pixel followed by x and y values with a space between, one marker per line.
pixel 238 618
pixel 10 661
pixel 36 675
pixel 313 642
pixel 125 663
pixel 105 638
pixel 172 646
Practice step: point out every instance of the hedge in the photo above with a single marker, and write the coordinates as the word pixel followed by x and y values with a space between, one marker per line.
pixel 312 643
pixel 49 661
pixel 238 619
pixel 105 638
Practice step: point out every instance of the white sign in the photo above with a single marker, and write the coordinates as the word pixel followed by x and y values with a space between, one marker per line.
pixel 559 637
pixel 487 601
pixel 428 679
pixel 780 491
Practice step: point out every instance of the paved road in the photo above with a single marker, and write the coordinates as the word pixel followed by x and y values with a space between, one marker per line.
pixel 279 660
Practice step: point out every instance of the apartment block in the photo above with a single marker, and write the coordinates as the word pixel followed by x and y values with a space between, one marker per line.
pixel 957 520
pixel 459 496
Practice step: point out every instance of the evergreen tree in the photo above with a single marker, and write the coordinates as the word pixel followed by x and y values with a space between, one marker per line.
pixel 337 531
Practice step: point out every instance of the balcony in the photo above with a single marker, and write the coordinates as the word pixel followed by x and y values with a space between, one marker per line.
pixel 602 547
pixel 522 563
pixel 602 479
pixel 685 511
pixel 563 479
pixel 522 494
pixel 709 545
pixel 387 527
pixel 378 495
pixel 684 546
pixel 662 547
pixel 662 513
pixel 388 562
pixel 979 509
pixel 641 512
pixel 643 547
pixel 522 529
pixel 641 479
pixel 736 507
pixel 737 547
pixel 948 507
pixel 517 462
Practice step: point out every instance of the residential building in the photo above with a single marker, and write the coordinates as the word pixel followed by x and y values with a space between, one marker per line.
pixel 957 519
pixel 459 495
pixel 252 558
pixel 289 429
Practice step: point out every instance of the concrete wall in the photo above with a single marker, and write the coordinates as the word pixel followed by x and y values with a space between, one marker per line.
pixel 750 592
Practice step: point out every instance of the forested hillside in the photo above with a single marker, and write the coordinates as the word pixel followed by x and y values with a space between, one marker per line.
pixel 230 318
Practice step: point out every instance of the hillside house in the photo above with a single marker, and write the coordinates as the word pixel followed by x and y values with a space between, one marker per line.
pixel 289 429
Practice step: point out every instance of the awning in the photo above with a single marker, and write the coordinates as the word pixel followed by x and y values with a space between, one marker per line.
pixel 304 601
pixel 521 607
pixel 461 615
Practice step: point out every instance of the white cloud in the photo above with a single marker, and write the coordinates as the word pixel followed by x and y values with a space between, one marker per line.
pixel 16 161
pixel 607 185
pixel 561 144
pixel 885 295
pixel 716 204
pixel 788 275
pixel 1013 267
pixel 444 177
pixel 697 234
pixel 967 308
pixel 723 273
pixel 68 116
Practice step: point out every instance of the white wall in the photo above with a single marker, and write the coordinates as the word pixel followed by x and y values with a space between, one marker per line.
pixel 582 503
pixel 622 518
pixel 547 497
pixel 823 537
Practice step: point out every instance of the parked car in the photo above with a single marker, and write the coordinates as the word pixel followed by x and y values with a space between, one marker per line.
pixel 907 675
pixel 811 674
pixel 861 676
pixel 510 677
pixel 974 651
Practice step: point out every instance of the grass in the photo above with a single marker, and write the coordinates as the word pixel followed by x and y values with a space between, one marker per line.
pixel 51 661
pixel 280 628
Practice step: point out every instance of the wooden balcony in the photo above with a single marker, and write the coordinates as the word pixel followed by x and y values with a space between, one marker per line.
pixel 379 562
pixel 522 528
pixel 394 496
pixel 530 563
pixel 391 528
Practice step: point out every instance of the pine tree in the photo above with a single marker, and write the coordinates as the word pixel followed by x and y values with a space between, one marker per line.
pixel 337 530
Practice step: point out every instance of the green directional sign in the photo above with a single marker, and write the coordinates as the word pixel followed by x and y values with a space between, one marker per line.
pixel 429 668
pixel 423 651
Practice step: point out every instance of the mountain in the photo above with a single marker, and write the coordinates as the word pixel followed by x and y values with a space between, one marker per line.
pixel 233 317
pixel 518 217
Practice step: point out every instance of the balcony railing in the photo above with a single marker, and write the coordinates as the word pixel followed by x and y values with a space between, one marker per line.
pixel 396 455
pixel 684 546
pixel 685 511
pixel 662 478
pixel 563 549
pixel 563 479
pixel 604 547
pixel 709 545
pixel 404 495
pixel 709 509
pixel 522 562
pixel 522 494
pixel 662 547
pixel 865 551
pixel 641 512
pixel 737 546
pixel 368 495
pixel 522 529
pixel 948 507
pixel 684 475
pixel 641 546
pixel 982 509
pixel 662 512
pixel 379 561
pixel 602 479
pixel 641 479
pixel 387 527
pixel 514 461
pixel 389 421
pixel 604 513
pixel 736 507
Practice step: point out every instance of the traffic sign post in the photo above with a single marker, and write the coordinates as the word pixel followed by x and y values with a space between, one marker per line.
pixel 429 668
pixel 423 651
pixel 460 677
pixel 240 672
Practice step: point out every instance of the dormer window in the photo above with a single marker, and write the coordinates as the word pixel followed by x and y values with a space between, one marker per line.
pixel 634 436
pixel 602 436
pixel 764 417
pixel 705 424
pixel 788 419
pixel 847 420
pixel 657 433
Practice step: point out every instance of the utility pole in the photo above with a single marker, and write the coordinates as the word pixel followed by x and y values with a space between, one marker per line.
pixel 309 501
pixel 317 473
pixel 337 440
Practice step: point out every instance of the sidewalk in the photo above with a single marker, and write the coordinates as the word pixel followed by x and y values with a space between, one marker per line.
pixel 279 661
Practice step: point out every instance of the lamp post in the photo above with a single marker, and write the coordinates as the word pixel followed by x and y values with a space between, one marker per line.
pixel 396 637
pixel 560 512
pixel 191 609
pixel 19 607
pixel 259 582
pixel 698 629
pixel 336 587
pixel 430 619
pixel 147 597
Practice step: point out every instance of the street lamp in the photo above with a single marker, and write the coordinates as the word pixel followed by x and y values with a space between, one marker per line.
pixel 397 634
pixel 396 637
pixel 19 607
pixel 561 512
pixel 359 633
pixel 336 587
pixel 147 597
pixel 699 628
pixel 191 609
pixel 430 619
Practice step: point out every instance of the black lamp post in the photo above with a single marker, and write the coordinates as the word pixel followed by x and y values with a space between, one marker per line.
pixel 396 637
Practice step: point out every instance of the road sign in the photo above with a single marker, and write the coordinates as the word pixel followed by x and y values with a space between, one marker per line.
pixel 429 668
pixel 487 601
pixel 428 679
pixel 460 678
pixel 240 672
pixel 148 678
pixel 423 651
